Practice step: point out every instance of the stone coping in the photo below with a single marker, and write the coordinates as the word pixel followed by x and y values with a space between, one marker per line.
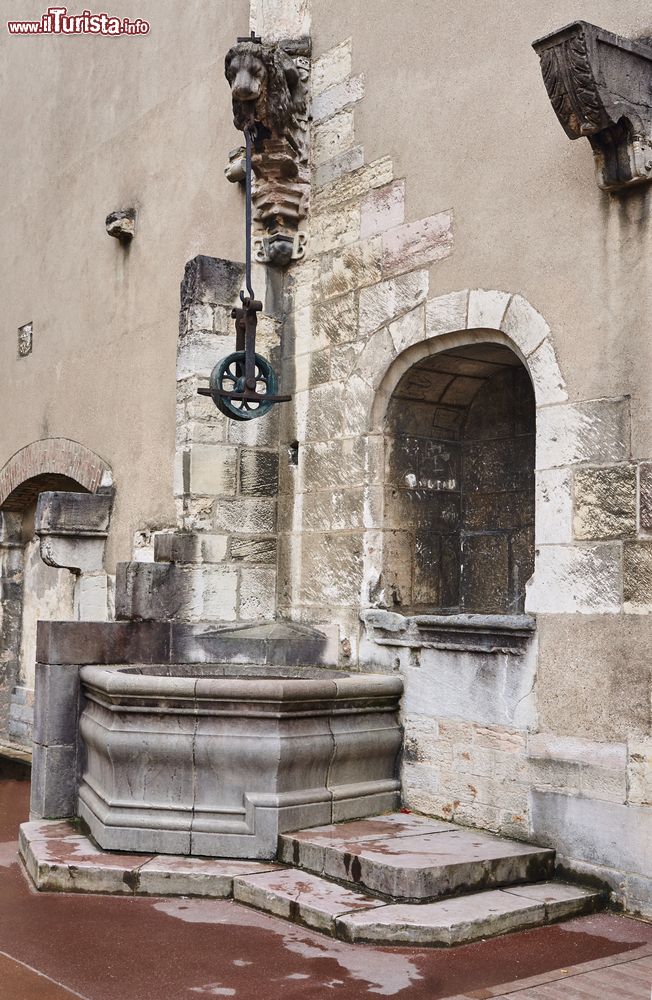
pixel 118 686
pixel 469 632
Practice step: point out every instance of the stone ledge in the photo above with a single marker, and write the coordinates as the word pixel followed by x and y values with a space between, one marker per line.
pixel 467 632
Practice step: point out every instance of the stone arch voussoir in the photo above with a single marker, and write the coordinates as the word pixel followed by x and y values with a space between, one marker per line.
pixel 457 319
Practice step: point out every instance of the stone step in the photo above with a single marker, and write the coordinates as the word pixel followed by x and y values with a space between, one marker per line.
pixel 468 918
pixel 301 897
pixel 410 857
pixel 326 906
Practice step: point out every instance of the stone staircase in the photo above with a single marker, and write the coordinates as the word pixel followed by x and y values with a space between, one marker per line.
pixel 408 879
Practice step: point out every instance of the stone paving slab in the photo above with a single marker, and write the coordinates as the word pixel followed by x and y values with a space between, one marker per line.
pixel 416 865
pixel 61 859
pixel 301 897
pixel 465 918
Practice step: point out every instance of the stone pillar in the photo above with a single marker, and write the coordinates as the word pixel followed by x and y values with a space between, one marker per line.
pixel 220 562
pixel 11 610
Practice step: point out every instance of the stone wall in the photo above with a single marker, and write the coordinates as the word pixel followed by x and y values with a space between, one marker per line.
pixel 219 563
pixel 476 720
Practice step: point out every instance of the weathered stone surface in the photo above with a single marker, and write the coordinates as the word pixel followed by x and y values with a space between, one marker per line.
pixel 257 594
pixel 167 875
pixel 645 491
pixel 60 858
pixel 301 897
pixel 73 513
pixel 488 689
pixel 211 280
pixel 594 431
pixel 332 137
pixel 353 267
pixel 54 773
pixel 486 309
pixel 605 502
pixel 334 228
pixel 446 313
pixel 417 244
pixel 375 357
pixel 211 470
pixel 637 582
pixel 173 591
pixel 382 209
pixel 448 922
pixel 332 565
pixel 639 772
pixel 359 180
pixel 189 547
pixel 409 329
pixel 584 687
pixel 524 325
pixel 569 580
pixel 245 514
pixel 418 863
pixel 335 98
pixel 547 746
pixel 253 550
pixel 338 166
pixel 554 507
pixel 331 68
pixel 549 385
pixel 389 299
pixel 259 472
pixel 337 319
pixel 586 829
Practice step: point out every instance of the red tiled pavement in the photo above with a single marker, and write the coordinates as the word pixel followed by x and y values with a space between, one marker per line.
pixel 125 948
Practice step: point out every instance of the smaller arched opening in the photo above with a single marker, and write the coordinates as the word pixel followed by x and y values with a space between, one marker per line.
pixel 55 504
pixel 459 484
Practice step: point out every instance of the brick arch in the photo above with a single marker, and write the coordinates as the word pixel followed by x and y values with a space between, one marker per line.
pixel 50 464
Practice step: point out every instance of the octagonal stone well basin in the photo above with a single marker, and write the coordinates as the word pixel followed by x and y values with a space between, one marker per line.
pixel 218 760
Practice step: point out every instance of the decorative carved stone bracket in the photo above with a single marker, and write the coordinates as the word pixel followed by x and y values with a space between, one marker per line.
pixel 269 92
pixel 467 633
pixel 600 86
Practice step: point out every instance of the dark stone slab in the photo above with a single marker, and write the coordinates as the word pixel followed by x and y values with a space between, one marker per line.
pixel 211 280
pixel 103 642
pixel 73 513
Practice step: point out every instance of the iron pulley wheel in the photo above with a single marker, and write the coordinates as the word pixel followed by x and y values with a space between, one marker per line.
pixel 229 389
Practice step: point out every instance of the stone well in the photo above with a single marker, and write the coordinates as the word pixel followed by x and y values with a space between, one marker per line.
pixel 219 763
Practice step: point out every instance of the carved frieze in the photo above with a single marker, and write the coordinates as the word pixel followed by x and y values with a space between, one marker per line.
pixel 600 86
pixel 269 94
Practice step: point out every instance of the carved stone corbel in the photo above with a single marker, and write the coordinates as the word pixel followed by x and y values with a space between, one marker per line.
pixel 268 89
pixel 600 86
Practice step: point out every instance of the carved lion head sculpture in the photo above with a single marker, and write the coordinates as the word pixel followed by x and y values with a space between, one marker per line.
pixel 265 87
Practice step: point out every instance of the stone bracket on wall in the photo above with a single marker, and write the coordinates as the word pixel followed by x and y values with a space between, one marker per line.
pixel 600 86
pixel 73 528
pixel 467 632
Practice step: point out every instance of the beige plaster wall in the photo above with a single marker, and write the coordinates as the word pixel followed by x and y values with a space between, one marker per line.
pixel 96 124
pixel 454 94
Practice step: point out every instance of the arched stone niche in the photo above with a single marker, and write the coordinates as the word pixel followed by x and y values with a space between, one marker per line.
pixel 458 505
pixel 458 324
pixel 55 505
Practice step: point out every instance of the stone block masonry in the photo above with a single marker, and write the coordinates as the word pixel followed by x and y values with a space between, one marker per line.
pixel 219 565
